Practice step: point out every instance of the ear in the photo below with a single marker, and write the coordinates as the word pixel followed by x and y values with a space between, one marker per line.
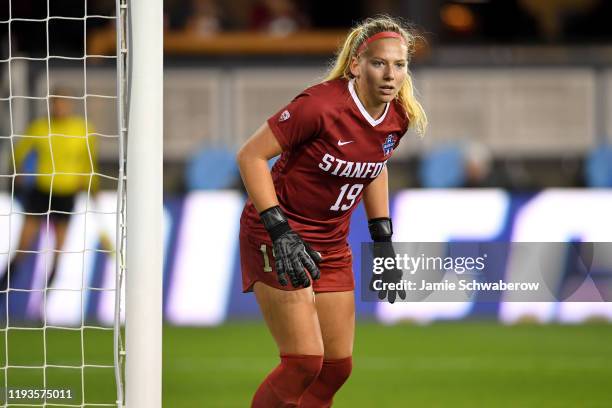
pixel 354 67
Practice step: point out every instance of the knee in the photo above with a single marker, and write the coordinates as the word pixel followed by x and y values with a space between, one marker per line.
pixel 286 384
pixel 337 371
pixel 295 374
pixel 344 367
pixel 333 375
pixel 303 368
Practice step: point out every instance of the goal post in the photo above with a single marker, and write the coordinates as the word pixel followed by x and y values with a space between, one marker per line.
pixel 58 277
pixel 143 303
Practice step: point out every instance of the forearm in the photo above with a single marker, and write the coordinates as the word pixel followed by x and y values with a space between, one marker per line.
pixel 376 197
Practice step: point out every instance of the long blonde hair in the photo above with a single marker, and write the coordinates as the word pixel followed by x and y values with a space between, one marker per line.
pixel 359 34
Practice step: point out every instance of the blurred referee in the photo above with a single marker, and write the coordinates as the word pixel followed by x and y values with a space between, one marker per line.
pixel 65 163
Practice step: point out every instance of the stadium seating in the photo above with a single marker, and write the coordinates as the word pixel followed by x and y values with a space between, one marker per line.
pixel 598 167
pixel 211 168
pixel 443 167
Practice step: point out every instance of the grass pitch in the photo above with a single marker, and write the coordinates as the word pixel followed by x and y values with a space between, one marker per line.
pixel 467 364
pixel 476 364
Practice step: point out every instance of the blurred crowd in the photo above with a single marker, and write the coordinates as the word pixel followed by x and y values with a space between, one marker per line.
pixel 206 17
pixel 446 22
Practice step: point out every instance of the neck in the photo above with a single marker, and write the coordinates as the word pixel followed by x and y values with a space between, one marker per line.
pixel 375 110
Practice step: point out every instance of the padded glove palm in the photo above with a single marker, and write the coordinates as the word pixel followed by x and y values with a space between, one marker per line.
pixel 292 256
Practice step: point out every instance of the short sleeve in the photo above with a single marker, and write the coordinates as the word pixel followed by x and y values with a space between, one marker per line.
pixel 297 122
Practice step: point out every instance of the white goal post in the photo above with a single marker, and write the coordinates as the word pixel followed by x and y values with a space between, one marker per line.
pixel 49 91
pixel 144 202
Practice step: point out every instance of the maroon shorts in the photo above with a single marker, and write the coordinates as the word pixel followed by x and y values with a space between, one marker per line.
pixel 257 264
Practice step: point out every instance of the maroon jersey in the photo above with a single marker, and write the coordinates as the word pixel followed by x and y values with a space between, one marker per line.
pixel 332 149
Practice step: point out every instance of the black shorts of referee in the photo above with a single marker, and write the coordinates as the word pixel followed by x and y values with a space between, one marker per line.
pixel 37 202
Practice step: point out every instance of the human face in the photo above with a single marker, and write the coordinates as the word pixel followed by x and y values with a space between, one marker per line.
pixel 61 107
pixel 380 72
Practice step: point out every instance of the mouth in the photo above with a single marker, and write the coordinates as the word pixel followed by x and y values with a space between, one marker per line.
pixel 387 89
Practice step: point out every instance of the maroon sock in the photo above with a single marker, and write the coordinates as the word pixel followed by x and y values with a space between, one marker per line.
pixel 284 386
pixel 333 374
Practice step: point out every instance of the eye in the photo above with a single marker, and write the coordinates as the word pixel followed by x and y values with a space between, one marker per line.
pixel 377 63
pixel 400 64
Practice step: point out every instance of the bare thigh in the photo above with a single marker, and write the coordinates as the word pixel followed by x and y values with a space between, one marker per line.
pixel 336 312
pixel 291 317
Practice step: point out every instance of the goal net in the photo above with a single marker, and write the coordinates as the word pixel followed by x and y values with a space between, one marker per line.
pixel 62 202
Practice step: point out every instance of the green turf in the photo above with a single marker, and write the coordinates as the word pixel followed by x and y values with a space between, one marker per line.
pixel 475 364
pixel 442 365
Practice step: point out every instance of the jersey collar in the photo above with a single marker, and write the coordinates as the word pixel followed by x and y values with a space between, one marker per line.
pixel 362 109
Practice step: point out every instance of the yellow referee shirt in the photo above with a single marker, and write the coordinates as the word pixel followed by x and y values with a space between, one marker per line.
pixel 73 153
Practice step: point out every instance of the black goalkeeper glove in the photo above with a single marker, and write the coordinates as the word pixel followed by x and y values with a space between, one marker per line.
pixel 291 254
pixel 381 230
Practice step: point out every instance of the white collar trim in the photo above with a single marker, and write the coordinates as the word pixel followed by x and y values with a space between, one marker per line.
pixel 362 109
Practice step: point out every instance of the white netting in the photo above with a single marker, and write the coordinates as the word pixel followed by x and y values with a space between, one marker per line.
pixel 62 131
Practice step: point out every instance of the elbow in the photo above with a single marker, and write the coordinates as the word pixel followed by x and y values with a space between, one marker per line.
pixel 246 154
pixel 249 155
pixel 241 156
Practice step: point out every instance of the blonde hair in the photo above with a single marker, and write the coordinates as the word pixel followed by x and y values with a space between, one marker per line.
pixel 359 34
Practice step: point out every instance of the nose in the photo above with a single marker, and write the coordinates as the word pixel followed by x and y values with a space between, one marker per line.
pixel 388 73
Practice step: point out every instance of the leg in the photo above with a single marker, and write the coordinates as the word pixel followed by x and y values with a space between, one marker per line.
pixel 61 225
pixel 61 205
pixel 31 227
pixel 336 311
pixel 28 233
pixel 291 317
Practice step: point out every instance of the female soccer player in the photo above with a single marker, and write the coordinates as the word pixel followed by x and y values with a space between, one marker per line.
pixel 334 139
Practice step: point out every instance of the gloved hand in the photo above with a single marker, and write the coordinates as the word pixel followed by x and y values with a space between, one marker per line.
pixel 291 254
pixel 381 230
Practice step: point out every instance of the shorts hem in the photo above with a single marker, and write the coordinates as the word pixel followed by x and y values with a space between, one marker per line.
pixel 341 288
pixel 334 289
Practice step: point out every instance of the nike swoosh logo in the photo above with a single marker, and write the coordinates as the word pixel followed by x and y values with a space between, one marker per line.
pixel 341 143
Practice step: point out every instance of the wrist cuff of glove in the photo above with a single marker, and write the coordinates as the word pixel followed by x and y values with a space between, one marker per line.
pixel 381 229
pixel 275 222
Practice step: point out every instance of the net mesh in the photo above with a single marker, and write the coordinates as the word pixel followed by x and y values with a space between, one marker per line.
pixel 62 230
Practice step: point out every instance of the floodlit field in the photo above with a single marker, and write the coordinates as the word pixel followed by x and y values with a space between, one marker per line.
pixel 469 364
pixel 442 365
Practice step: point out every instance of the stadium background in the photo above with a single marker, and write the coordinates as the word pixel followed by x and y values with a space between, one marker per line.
pixel 519 96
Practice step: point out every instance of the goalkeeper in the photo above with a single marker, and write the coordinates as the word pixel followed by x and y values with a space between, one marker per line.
pixel 334 140
pixel 65 159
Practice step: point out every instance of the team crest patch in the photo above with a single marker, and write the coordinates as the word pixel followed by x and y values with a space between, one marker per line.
pixel 388 145
pixel 284 116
